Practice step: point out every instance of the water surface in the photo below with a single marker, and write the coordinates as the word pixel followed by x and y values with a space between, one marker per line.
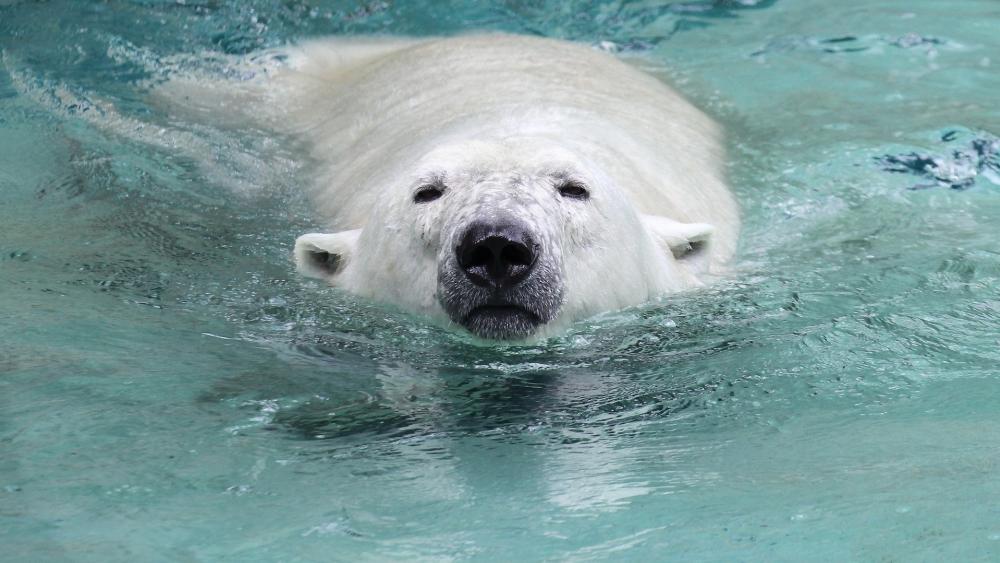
pixel 171 390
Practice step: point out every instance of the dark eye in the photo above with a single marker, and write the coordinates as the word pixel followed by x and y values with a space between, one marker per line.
pixel 573 190
pixel 427 193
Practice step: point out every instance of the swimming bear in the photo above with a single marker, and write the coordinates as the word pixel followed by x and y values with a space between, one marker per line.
pixel 509 185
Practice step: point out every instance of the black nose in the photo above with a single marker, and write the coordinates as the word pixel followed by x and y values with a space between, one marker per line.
pixel 496 255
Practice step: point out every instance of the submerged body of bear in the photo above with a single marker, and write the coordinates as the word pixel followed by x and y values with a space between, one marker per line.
pixel 508 184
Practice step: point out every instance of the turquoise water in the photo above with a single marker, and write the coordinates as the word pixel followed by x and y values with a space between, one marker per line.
pixel 171 390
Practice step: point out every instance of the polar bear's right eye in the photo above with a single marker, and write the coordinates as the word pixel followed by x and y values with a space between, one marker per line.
pixel 427 193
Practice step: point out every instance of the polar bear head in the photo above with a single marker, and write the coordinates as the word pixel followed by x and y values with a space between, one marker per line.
pixel 507 239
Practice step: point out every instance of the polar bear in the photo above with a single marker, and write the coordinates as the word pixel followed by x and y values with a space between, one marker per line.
pixel 509 185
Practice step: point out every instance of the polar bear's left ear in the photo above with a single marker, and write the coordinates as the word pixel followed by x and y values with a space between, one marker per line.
pixel 684 240
pixel 321 255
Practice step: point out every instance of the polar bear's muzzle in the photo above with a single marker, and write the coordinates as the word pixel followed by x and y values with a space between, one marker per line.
pixel 499 282
pixel 497 256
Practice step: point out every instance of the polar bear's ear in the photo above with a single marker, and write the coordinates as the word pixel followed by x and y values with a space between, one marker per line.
pixel 321 255
pixel 684 240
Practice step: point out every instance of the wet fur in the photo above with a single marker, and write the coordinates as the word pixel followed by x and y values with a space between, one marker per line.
pixel 498 120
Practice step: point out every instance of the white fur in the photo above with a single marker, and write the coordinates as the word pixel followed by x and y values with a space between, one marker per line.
pixel 499 118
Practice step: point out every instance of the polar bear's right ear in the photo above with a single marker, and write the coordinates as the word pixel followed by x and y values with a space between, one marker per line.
pixel 321 255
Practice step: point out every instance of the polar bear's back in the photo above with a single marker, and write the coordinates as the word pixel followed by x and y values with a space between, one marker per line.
pixel 366 107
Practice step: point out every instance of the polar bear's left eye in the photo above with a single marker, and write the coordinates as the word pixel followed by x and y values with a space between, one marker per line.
pixel 573 190
pixel 427 193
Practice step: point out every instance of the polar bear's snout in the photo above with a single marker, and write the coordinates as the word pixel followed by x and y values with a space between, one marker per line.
pixel 497 256
pixel 500 282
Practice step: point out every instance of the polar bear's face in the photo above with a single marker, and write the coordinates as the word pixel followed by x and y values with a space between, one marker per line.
pixel 507 239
